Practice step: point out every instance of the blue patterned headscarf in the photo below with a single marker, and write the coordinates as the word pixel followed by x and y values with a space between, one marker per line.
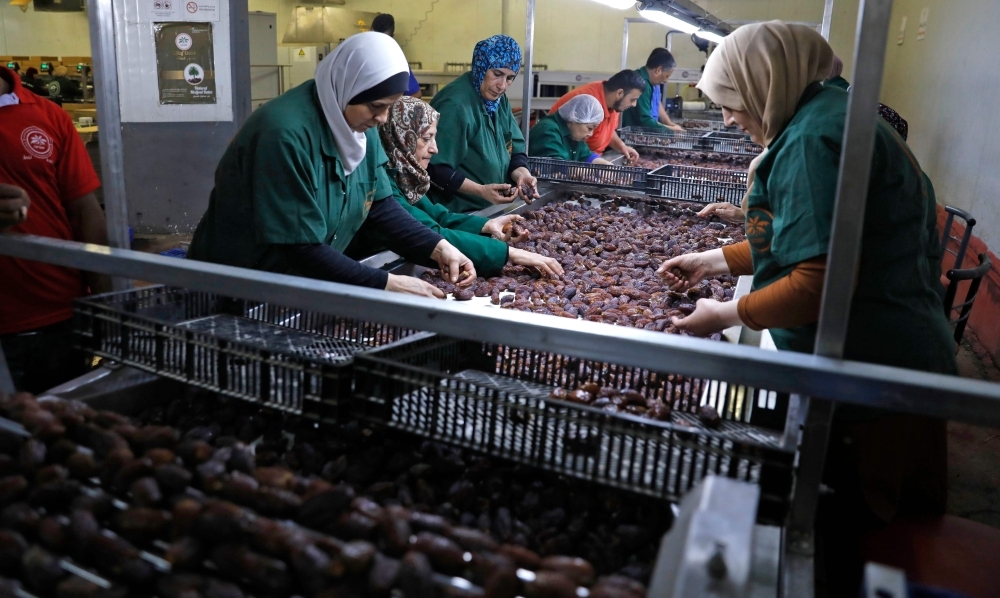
pixel 497 52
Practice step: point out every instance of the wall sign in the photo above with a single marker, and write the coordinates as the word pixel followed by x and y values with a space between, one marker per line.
pixel 185 63
pixel 182 10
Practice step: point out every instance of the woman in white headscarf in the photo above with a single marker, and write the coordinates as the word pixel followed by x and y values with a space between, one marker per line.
pixel 563 134
pixel 306 173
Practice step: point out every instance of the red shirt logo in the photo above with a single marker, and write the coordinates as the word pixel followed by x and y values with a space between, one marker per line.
pixel 37 142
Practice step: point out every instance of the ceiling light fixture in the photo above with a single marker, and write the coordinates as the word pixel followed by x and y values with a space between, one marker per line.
pixel 709 36
pixel 669 20
pixel 619 4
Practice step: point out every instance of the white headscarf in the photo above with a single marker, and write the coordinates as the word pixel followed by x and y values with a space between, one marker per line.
pixel 361 62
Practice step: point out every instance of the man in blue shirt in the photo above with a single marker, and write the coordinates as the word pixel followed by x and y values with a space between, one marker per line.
pixel 649 111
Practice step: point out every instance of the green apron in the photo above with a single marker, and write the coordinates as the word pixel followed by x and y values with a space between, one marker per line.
pixel 895 462
pixel 640 115
pixel 461 230
pixel 473 141
pixel 896 314
pixel 550 138
pixel 281 182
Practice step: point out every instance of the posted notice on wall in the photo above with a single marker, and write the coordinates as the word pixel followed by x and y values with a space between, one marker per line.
pixel 182 10
pixel 185 63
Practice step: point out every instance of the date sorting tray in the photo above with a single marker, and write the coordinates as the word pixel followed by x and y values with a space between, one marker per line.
pixel 496 400
pixel 287 359
pixel 597 175
pixel 701 185
pixel 716 141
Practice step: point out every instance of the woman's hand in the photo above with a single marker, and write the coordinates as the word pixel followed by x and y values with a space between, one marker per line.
pixel 631 156
pixel 725 211
pixel 547 266
pixel 602 162
pixel 499 193
pixel 527 185
pixel 455 267
pixel 412 286
pixel 685 271
pixel 675 128
pixel 502 227
pixel 14 204
pixel 709 316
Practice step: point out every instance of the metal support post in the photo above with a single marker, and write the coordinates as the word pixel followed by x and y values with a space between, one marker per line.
pixel 824 29
pixel 109 133
pixel 625 45
pixel 838 290
pixel 529 55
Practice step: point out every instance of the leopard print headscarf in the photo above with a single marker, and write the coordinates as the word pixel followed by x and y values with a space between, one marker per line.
pixel 408 118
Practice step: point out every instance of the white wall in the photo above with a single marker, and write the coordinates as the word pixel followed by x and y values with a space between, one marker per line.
pixel 33 33
pixel 569 34
pixel 842 29
pixel 946 87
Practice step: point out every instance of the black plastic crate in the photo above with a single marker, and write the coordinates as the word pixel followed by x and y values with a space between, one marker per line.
pixel 695 190
pixel 595 175
pixel 735 177
pixel 661 138
pixel 287 359
pixel 496 400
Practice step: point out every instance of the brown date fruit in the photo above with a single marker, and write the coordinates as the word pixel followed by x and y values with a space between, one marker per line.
pixel 184 553
pixel 275 477
pixel 577 569
pixel 446 555
pixel 146 492
pixel 521 556
pixel 142 524
pixel 383 575
pixel 709 417
pixel 550 584
pixel 173 478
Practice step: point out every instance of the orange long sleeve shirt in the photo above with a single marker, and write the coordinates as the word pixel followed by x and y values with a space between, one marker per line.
pixel 791 301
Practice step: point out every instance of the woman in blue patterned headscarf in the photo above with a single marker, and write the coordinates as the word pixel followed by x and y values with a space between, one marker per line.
pixel 495 63
pixel 481 159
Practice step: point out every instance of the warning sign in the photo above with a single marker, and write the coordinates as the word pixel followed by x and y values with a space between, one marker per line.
pixel 199 11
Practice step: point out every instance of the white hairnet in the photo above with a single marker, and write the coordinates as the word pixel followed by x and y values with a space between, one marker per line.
pixel 584 109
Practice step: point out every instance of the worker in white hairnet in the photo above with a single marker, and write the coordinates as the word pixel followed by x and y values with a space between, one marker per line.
pixel 563 133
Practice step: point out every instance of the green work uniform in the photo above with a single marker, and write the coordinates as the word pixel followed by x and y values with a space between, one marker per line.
pixel 281 182
pixel 896 313
pixel 473 141
pixel 838 82
pixel 640 115
pixel 550 138
pixel 489 255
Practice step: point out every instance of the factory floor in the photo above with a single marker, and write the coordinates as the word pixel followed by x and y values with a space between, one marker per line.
pixel 973 451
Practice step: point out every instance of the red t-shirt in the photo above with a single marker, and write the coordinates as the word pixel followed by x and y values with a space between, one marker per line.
pixel 599 141
pixel 41 152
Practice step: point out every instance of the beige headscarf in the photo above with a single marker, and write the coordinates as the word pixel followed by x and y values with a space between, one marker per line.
pixel 763 69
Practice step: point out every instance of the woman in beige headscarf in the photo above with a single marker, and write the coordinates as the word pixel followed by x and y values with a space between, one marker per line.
pixel 768 79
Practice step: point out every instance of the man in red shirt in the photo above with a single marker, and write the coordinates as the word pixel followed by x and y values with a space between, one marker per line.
pixel 617 94
pixel 42 157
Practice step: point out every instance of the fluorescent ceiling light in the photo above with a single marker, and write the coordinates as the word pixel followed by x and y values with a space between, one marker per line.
pixel 619 4
pixel 708 35
pixel 668 20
